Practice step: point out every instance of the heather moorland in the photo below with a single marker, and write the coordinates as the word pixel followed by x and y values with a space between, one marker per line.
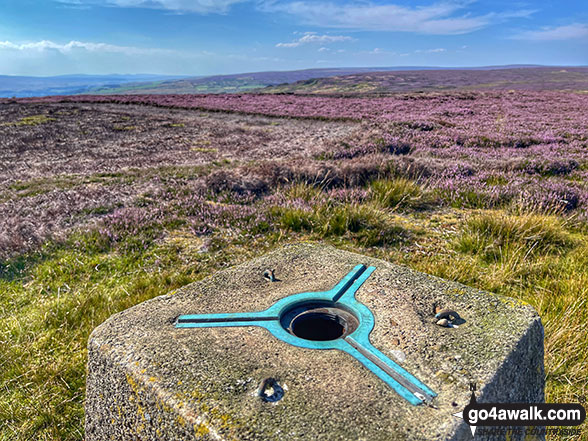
pixel 377 83
pixel 106 201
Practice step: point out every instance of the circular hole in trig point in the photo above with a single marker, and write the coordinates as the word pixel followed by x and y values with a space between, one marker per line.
pixel 319 320
pixel 318 326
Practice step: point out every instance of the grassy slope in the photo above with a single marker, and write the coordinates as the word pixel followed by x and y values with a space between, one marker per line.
pixel 53 298
pixel 538 78
pixel 184 87
pixel 357 80
pixel 234 83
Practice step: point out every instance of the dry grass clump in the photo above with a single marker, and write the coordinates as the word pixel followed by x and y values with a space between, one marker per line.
pixel 144 211
pixel 492 236
pixel 398 193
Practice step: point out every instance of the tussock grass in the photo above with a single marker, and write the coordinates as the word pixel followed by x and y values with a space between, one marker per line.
pixel 397 193
pixel 294 219
pixel 367 223
pixel 304 191
pixel 363 223
pixel 52 299
pixel 33 120
pixel 493 236
pixel 55 298
pixel 540 259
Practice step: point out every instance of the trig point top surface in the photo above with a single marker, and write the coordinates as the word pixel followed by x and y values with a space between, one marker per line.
pixel 332 346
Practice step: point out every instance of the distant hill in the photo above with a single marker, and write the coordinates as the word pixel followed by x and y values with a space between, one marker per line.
pixel 27 86
pixel 254 81
pixel 346 81
pixel 234 83
pixel 500 78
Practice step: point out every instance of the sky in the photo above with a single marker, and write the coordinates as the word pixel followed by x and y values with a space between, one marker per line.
pixel 206 37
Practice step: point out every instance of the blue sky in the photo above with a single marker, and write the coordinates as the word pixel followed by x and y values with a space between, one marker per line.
pixel 203 37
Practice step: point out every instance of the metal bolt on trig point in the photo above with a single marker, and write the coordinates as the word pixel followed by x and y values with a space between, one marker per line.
pixel 332 319
pixel 269 275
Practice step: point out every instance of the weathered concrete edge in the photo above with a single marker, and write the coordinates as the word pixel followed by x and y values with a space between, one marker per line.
pixel 509 377
pixel 198 427
pixel 124 381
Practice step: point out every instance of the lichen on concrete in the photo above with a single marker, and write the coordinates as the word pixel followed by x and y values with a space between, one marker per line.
pixel 148 380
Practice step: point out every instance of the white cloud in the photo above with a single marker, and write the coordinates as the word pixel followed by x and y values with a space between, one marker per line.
pixel 46 57
pixel 439 18
pixel 445 17
pixel 293 44
pixel 313 37
pixel 47 45
pixel 430 51
pixel 377 51
pixel 567 32
pixel 198 6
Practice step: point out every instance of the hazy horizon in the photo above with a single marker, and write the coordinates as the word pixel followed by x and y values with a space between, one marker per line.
pixel 203 38
pixel 391 68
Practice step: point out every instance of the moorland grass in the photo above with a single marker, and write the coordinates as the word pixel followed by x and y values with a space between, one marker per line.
pixel 542 260
pixel 32 120
pixel 398 193
pixel 53 298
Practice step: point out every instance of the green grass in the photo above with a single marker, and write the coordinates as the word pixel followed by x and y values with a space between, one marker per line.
pixel 492 236
pixel 53 299
pixel 539 259
pixel 304 191
pixel 398 193
pixel 367 224
pixel 362 224
pixel 49 307
pixel 33 120
pixel 496 180
pixel 124 128
pixel 204 150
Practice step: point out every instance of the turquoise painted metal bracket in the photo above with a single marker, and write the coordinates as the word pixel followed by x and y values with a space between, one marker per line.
pixel 356 343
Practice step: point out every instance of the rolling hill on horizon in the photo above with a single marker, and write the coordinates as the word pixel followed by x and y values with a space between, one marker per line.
pixel 348 81
pixel 121 84
pixel 256 81
pixel 381 83
pixel 236 83
pixel 29 86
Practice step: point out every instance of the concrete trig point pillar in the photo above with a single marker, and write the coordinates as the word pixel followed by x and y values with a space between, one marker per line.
pixel 340 346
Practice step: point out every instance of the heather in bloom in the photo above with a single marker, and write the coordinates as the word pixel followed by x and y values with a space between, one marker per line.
pixel 472 149
pixel 108 201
